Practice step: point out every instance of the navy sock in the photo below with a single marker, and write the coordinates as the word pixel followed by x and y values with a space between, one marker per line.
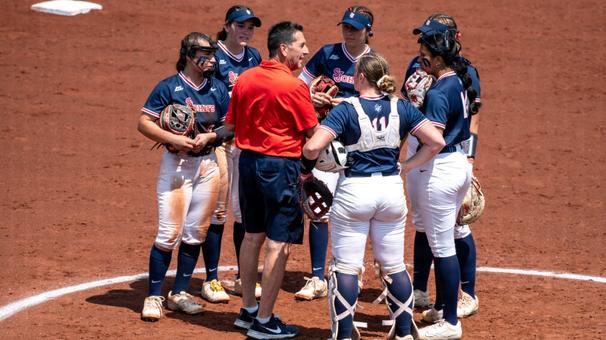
pixel 401 288
pixel 466 253
pixel 159 261
pixel 447 273
pixel 422 261
pixel 348 287
pixel 211 250
pixel 318 244
pixel 238 238
pixel 186 263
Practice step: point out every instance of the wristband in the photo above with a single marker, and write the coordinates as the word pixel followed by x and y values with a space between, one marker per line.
pixel 473 144
pixel 307 165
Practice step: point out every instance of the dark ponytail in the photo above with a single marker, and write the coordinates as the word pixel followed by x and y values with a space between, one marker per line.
pixel 222 34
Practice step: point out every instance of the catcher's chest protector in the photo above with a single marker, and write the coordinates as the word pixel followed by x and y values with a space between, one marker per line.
pixel 370 138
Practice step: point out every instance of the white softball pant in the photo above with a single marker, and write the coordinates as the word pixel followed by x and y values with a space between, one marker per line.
pixel 363 206
pixel 437 189
pixel 460 231
pixel 187 192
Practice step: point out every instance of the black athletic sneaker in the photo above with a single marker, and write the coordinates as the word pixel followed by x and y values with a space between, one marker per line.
pixel 273 329
pixel 245 319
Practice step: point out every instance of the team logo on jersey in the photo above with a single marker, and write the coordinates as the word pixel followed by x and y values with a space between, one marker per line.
pixel 351 15
pixel 178 88
pixel 378 107
pixel 232 76
pixel 333 57
pixel 340 76
pixel 200 107
pixel 222 62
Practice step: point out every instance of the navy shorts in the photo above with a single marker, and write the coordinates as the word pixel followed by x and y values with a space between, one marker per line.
pixel 268 196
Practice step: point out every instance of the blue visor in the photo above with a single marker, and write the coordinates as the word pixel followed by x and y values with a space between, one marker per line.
pixel 431 27
pixel 243 14
pixel 357 20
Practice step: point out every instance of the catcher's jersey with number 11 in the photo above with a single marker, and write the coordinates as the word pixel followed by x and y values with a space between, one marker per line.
pixel 210 100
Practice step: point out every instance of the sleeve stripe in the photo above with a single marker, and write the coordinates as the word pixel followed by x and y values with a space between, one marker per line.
pixel 307 73
pixel 329 130
pixel 478 100
pixel 439 125
pixel 418 126
pixel 150 112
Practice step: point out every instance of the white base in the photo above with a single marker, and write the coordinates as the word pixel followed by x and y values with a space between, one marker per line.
pixel 65 7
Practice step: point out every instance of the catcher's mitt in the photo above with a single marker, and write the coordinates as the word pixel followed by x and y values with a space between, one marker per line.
pixel 314 196
pixel 177 119
pixel 417 86
pixel 327 85
pixel 473 204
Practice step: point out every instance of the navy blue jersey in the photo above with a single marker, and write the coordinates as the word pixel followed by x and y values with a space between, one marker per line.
pixel 210 100
pixel 336 62
pixel 343 123
pixel 471 70
pixel 446 106
pixel 230 66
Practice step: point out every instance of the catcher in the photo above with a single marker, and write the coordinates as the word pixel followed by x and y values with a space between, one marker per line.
pixel 370 201
pixel 184 113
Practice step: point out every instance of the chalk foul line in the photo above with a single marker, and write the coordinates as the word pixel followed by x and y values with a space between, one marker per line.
pixel 19 305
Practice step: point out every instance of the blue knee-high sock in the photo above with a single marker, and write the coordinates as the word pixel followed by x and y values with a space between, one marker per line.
pixel 401 288
pixel 238 238
pixel 447 271
pixel 318 244
pixel 422 261
pixel 186 263
pixel 211 250
pixel 347 285
pixel 466 253
pixel 159 261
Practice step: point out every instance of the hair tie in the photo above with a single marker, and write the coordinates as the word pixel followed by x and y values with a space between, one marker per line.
pixel 381 79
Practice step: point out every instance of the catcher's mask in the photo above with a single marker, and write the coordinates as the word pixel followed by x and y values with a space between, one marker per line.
pixel 333 158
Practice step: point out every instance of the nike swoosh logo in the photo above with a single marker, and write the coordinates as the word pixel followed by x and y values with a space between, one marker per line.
pixel 276 330
pixel 186 275
pixel 153 281
pixel 316 268
pixel 212 270
pixel 250 59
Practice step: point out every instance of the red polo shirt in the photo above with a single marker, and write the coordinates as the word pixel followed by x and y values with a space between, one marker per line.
pixel 270 110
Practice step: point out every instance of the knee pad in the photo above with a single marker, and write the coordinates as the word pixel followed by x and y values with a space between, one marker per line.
pixel 334 295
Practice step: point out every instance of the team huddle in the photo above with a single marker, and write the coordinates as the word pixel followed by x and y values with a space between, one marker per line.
pixel 245 136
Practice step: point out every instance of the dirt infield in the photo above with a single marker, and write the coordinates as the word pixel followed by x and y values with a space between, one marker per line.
pixel 78 198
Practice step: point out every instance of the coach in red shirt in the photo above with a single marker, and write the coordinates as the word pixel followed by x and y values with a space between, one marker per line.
pixel 272 114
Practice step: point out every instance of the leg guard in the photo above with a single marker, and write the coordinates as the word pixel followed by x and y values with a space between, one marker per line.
pixel 395 306
pixel 335 295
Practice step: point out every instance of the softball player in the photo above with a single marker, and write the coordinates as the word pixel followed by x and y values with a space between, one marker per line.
pixel 369 198
pixel 437 188
pixel 464 242
pixel 233 56
pixel 336 61
pixel 188 183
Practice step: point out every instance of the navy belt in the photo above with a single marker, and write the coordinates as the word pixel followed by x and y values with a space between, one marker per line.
pixel 373 174
pixel 452 148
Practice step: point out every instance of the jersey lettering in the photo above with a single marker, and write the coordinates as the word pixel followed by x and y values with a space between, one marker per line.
pixel 465 101
pixel 199 107
pixel 340 76
pixel 379 123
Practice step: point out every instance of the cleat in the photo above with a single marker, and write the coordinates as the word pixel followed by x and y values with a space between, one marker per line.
pixel 467 305
pixel 214 292
pixel 441 331
pixel 183 302
pixel 152 308
pixel 314 288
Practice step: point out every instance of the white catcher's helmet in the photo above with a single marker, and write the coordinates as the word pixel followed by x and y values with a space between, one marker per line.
pixel 333 158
